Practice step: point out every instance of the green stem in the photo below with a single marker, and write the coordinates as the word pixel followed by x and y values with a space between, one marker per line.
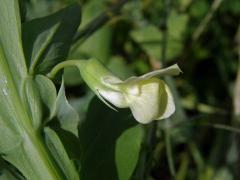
pixel 62 65
pixel 236 97
pixel 202 26
pixel 99 21
pixel 169 152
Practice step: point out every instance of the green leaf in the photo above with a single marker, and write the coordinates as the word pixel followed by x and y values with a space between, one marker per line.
pixel 20 144
pixel 60 155
pixel 47 40
pixel 33 101
pixel 97 45
pixel 6 175
pixel 103 142
pixel 66 115
pixel 48 95
pixel 70 142
pixel 120 68
pixel 8 171
pixel 177 25
pixel 127 151
pixel 9 132
pixel 10 41
pixel 27 159
pixel 150 37
pixel 11 76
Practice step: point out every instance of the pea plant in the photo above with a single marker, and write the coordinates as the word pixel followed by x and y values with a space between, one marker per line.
pixel 41 134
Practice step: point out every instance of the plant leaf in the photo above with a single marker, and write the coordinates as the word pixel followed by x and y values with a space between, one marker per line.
pixel 66 115
pixel 150 37
pixel 10 41
pixel 8 171
pixel 127 151
pixel 60 155
pixel 102 137
pixel 48 95
pixel 11 77
pixel 33 102
pixel 20 144
pixel 6 175
pixel 47 40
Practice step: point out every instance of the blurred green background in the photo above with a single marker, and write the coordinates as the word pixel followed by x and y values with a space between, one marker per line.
pixel 201 140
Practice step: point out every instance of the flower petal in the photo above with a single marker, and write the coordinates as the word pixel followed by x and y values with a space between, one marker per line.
pixel 146 106
pixel 114 97
pixel 104 101
pixel 170 106
pixel 171 70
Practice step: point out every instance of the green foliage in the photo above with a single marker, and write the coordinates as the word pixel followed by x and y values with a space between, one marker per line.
pixel 31 102
pixel 127 151
pixel 48 95
pixel 59 131
pixel 10 39
pixel 103 145
pixel 60 155
pixel 47 40
pixel 150 38
pixel 67 116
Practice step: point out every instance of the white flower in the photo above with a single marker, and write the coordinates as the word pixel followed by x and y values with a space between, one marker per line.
pixel 148 97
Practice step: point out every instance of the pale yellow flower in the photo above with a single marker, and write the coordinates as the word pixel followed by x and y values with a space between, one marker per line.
pixel 148 97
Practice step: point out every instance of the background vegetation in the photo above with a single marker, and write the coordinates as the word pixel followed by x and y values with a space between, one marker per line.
pixel 201 140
